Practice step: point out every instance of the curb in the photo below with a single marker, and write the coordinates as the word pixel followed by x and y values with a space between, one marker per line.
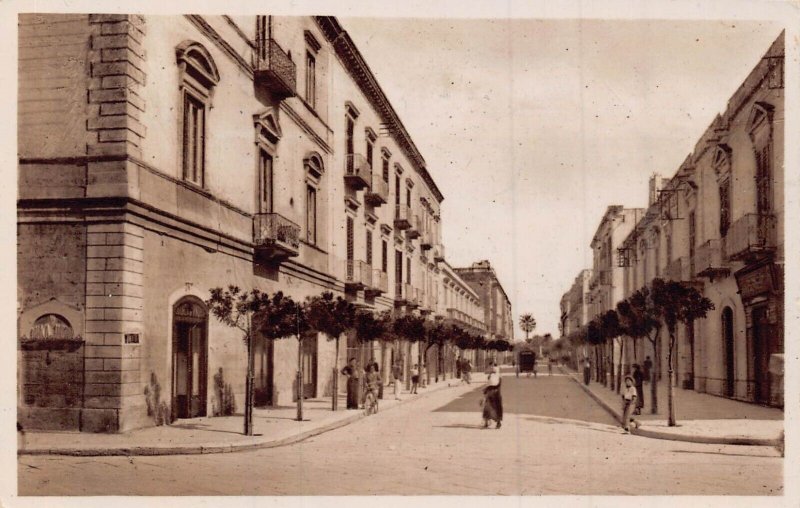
pixel 202 449
pixel 655 434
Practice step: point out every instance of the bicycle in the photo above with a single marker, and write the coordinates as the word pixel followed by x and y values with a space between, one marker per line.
pixel 370 403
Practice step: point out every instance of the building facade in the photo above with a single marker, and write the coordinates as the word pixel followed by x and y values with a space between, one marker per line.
pixel 718 224
pixel 575 304
pixel 498 319
pixel 161 156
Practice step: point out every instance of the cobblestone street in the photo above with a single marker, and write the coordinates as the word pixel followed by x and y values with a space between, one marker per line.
pixel 555 440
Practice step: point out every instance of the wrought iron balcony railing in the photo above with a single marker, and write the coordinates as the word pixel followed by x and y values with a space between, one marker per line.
pixel 274 69
pixel 357 171
pixel 275 236
pixel 359 274
pixel 416 226
pixel 380 282
pixel 708 260
pixel 402 218
pixel 751 236
pixel 378 192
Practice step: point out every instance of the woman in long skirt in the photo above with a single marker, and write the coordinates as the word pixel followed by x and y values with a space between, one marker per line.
pixel 353 383
pixel 493 399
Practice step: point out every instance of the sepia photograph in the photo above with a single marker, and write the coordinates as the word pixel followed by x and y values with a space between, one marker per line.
pixel 340 252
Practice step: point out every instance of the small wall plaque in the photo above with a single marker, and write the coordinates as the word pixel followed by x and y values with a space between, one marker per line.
pixel 131 338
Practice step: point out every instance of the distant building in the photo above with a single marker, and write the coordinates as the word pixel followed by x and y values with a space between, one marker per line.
pixel 496 304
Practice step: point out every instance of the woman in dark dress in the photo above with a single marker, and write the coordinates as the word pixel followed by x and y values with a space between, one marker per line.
pixel 492 399
pixel 353 383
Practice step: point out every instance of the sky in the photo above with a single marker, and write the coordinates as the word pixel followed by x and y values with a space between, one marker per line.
pixel 531 128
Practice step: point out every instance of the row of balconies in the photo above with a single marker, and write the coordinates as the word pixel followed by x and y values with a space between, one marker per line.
pixel 751 236
pixel 464 319
pixel 361 276
pixel 600 278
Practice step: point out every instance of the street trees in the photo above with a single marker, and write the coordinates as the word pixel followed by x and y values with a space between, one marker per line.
pixel 333 317
pixel 610 331
pixel 411 328
pixel 371 327
pixel 676 303
pixel 640 318
pixel 254 312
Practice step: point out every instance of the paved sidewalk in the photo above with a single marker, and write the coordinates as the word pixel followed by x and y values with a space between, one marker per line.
pixel 701 418
pixel 272 427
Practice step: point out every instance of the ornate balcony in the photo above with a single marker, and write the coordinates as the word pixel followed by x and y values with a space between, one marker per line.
pixel 416 227
pixel 413 297
pixel 275 237
pixel 402 218
pixel 357 171
pixel 274 69
pixel 380 282
pixel 708 261
pixel 399 294
pixel 751 236
pixel 438 253
pixel 427 240
pixel 358 276
pixel 378 193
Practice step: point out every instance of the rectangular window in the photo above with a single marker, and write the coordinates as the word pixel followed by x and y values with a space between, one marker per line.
pixel 264 182
pixel 408 270
pixel 369 152
pixel 194 134
pixel 396 190
pixel 398 273
pixel 311 215
pixel 763 181
pixel 350 239
pixel 369 248
pixel 724 207
pixel 384 256
pixel 348 140
pixel 385 172
pixel 311 80
pixel 408 197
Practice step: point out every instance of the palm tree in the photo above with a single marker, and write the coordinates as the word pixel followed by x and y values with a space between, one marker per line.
pixel 528 324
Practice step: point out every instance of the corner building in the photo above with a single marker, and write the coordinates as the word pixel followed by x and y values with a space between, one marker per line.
pixel 161 156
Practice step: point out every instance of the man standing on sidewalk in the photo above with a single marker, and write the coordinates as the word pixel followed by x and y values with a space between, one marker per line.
pixel 397 373
pixel 587 370
pixel 638 381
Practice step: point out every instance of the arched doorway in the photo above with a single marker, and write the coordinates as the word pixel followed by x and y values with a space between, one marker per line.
pixel 728 345
pixel 189 358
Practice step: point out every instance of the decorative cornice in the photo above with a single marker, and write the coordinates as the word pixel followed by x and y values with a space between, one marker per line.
pixel 357 67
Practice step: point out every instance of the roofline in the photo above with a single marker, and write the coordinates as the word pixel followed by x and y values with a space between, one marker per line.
pixel 358 68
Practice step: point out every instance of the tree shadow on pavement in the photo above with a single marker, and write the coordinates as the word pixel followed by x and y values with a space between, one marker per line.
pixel 459 426
pixel 776 456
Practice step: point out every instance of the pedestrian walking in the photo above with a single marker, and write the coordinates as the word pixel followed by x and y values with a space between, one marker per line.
pixel 492 399
pixel 638 382
pixel 648 367
pixel 466 372
pixel 353 374
pixel 414 378
pixel 377 369
pixel 628 404
pixel 397 373
pixel 587 371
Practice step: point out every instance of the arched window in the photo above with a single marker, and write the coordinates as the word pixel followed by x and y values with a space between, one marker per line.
pixel 198 77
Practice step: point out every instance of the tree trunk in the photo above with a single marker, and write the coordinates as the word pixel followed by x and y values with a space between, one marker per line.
pixel 249 388
pixel 621 356
pixel 670 389
pixel 299 379
pixel 654 376
pixel 335 398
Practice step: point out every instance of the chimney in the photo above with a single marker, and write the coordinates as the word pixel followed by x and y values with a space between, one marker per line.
pixel 656 183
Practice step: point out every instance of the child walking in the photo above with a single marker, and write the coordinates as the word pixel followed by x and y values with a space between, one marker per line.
pixel 414 378
pixel 628 404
